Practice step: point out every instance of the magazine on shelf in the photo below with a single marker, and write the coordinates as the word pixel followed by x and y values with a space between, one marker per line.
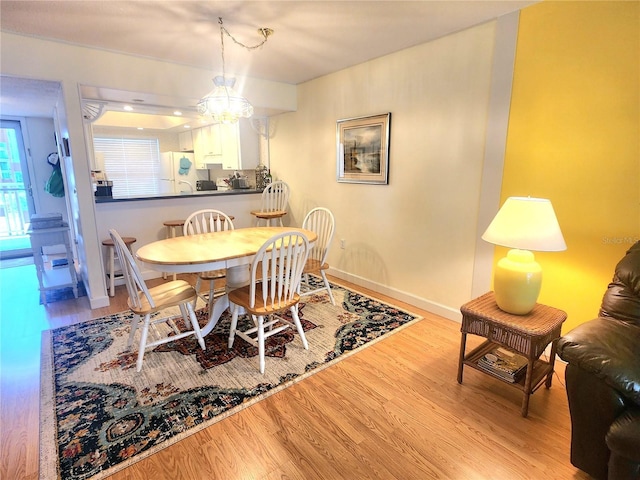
pixel 504 364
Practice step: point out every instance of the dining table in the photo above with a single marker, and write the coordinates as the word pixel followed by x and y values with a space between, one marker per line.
pixel 233 250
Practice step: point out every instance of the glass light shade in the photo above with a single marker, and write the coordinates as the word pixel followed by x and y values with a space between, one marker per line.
pixel 523 224
pixel 223 103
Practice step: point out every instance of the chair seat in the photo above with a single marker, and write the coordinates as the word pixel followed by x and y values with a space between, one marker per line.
pixel 313 266
pixel 241 296
pixel 165 295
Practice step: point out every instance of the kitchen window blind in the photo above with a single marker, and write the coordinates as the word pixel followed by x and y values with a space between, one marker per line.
pixel 132 164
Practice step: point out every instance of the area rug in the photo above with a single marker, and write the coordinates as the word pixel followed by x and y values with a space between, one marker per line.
pixel 98 415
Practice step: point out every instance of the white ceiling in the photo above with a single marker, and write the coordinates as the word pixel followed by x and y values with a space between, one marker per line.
pixel 311 39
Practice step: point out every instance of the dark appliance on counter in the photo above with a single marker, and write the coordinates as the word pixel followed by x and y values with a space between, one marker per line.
pixel 203 185
pixel 104 188
pixel 240 183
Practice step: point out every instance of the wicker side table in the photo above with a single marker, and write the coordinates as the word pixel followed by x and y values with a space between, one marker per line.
pixel 527 335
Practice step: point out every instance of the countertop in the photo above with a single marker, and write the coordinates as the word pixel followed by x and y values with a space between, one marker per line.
pixel 202 193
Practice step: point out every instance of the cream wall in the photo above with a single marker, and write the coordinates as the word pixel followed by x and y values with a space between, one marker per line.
pixel 416 237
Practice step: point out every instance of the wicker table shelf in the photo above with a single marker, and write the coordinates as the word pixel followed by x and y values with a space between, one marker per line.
pixel 527 335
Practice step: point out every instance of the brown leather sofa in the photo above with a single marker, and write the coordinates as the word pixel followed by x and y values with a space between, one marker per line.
pixel 603 380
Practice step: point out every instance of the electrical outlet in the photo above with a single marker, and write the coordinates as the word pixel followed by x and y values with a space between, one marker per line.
pixel 342 242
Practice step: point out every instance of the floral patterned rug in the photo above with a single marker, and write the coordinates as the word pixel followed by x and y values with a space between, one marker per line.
pixel 98 415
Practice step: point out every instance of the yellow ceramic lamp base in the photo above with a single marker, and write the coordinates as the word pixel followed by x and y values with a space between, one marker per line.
pixel 517 282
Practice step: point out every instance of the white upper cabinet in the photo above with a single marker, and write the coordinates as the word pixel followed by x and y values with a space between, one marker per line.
pixel 185 140
pixel 233 146
pixel 230 141
pixel 207 148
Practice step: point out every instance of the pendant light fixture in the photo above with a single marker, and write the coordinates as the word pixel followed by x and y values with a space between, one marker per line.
pixel 223 104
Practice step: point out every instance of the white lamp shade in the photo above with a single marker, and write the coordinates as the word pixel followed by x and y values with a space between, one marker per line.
pixel 526 223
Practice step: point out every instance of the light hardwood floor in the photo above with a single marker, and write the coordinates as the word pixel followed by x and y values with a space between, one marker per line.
pixel 392 411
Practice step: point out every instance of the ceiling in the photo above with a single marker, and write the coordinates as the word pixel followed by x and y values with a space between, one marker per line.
pixel 311 38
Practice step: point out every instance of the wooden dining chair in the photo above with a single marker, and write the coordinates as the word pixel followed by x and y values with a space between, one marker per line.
pixel 144 302
pixel 321 221
pixel 274 201
pixel 276 271
pixel 206 221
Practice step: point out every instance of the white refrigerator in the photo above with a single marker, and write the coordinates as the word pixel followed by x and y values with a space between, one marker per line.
pixel 177 172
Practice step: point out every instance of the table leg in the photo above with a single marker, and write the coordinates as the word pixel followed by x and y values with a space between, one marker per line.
pixel 112 274
pixel 236 277
pixel 219 306
pixel 527 388
pixel 463 343
pixel 552 361
pixel 171 232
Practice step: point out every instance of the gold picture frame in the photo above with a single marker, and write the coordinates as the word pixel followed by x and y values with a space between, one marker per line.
pixel 363 149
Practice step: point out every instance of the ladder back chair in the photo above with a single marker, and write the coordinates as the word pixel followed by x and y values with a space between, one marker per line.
pixel 206 221
pixel 275 198
pixel 321 221
pixel 276 272
pixel 144 301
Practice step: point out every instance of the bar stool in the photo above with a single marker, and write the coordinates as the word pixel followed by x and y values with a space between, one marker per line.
pixel 171 226
pixel 128 241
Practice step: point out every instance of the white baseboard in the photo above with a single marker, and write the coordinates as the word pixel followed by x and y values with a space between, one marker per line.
pixel 423 303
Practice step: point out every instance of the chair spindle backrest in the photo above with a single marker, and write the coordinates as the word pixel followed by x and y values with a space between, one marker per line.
pixel 275 196
pixel 278 267
pixel 132 276
pixel 321 221
pixel 206 221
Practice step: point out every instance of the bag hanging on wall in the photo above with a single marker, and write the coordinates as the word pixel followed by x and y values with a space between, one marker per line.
pixel 55 184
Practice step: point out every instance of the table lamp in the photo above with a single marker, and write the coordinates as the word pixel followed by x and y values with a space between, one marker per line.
pixel 522 224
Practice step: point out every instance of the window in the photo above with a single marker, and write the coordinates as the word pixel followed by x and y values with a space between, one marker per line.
pixel 132 164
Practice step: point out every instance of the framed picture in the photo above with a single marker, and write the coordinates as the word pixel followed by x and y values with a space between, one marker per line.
pixel 363 149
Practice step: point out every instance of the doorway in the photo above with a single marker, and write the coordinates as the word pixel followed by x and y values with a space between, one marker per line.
pixel 16 197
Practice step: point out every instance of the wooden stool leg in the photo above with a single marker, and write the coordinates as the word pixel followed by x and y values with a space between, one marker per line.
pixel 168 235
pixel 112 271
pixel 173 234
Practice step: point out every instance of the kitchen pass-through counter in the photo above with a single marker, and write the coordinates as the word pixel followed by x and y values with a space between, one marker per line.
pixel 181 195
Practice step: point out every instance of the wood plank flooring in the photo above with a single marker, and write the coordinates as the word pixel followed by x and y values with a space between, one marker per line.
pixel 392 411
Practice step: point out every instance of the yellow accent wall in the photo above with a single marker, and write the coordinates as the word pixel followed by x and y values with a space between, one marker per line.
pixel 574 137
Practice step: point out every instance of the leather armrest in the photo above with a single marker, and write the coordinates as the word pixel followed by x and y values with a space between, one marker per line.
pixel 610 350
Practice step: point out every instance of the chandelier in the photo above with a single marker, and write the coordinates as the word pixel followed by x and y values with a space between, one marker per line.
pixel 223 104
